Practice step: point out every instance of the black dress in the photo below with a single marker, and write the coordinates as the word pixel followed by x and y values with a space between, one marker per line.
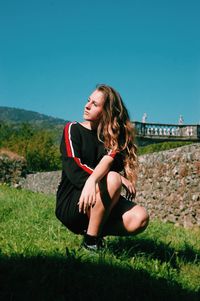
pixel 81 151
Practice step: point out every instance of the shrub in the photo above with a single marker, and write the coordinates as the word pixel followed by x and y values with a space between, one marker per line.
pixel 37 146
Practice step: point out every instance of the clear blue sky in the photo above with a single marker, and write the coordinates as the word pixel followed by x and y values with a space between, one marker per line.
pixel 54 52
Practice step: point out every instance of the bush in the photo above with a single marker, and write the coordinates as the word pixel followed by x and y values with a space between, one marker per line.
pixel 42 154
pixel 12 167
pixel 37 146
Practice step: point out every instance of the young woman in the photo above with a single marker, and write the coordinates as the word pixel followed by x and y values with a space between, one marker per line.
pixel 98 158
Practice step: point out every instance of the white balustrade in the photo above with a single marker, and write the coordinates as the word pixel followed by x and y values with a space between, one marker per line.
pixel 148 129
pixel 168 132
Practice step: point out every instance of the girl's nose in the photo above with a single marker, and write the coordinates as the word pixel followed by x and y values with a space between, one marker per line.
pixel 88 105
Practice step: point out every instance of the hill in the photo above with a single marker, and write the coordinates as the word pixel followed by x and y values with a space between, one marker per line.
pixel 17 116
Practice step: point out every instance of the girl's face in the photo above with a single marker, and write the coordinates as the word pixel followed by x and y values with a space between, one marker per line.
pixel 94 106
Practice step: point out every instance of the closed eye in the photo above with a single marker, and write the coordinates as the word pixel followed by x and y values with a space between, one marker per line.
pixel 94 102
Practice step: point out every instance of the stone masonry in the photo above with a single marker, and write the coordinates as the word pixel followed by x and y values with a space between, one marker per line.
pixel 169 185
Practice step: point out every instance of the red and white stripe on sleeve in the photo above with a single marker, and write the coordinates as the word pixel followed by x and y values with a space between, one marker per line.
pixel 112 153
pixel 71 150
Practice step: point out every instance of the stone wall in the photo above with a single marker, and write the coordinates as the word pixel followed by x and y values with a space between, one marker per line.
pixel 168 184
pixel 46 182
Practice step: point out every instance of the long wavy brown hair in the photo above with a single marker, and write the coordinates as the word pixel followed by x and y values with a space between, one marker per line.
pixel 116 130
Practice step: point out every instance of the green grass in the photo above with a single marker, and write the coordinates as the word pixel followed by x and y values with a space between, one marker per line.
pixel 161 146
pixel 41 260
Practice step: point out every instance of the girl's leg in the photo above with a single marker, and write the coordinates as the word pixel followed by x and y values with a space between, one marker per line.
pixel 130 218
pixel 106 198
pixel 130 222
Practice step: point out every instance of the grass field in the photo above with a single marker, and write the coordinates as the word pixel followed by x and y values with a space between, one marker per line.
pixel 41 260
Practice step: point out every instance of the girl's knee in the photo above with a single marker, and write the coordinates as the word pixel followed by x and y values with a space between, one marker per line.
pixel 142 215
pixel 114 180
pixel 136 219
pixel 110 188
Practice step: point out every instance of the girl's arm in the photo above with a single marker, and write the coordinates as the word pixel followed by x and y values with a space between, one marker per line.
pixel 88 195
pixel 76 171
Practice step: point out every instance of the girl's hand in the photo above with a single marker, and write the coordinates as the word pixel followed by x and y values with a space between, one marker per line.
pixel 88 195
pixel 129 187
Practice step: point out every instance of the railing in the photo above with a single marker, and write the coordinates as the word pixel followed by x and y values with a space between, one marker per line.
pixel 170 131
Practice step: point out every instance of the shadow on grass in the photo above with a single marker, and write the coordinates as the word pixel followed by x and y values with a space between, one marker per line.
pixel 132 246
pixel 71 278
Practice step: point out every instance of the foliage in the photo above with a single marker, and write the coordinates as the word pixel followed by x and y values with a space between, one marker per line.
pixel 157 147
pixel 37 146
pixel 41 260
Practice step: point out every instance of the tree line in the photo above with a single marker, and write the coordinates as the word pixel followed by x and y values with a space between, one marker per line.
pixel 37 146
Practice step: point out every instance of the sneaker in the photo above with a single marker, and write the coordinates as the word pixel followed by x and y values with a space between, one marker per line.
pixel 93 243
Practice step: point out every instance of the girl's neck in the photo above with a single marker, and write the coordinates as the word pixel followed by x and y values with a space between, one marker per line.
pixel 90 125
